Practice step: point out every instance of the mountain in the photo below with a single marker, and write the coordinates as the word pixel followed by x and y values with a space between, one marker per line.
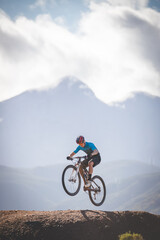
pixel 41 188
pixel 82 224
pixel 23 189
pixel 39 128
pixel 135 193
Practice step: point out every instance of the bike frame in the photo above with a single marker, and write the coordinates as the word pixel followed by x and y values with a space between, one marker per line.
pixel 97 189
pixel 77 165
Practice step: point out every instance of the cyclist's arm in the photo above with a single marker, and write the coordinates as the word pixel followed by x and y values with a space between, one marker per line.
pixel 72 154
pixel 95 152
pixel 94 149
pixel 75 151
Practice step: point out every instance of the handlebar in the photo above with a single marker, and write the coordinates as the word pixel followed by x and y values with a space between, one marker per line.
pixel 79 158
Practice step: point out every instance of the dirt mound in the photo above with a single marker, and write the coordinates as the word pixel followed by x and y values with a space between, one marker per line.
pixel 76 225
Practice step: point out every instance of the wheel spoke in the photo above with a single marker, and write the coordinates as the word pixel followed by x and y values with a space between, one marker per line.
pixel 71 180
pixel 98 191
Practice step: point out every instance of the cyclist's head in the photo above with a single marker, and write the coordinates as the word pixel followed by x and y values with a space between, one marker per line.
pixel 80 140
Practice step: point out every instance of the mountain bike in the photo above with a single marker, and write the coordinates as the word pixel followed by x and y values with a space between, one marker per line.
pixel 71 181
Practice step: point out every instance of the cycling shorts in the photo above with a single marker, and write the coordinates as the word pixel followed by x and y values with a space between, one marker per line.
pixel 95 159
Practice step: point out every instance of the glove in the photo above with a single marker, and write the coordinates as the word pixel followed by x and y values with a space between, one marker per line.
pixel 69 158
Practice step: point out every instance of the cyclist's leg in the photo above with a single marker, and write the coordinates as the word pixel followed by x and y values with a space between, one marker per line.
pixel 83 165
pixel 96 160
pixel 81 172
pixel 93 162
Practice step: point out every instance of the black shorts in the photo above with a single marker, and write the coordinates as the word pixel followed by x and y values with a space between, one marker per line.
pixel 95 159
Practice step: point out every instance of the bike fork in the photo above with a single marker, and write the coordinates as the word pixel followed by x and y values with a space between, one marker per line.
pixel 72 174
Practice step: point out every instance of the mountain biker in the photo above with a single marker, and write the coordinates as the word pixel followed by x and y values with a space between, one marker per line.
pixel 93 157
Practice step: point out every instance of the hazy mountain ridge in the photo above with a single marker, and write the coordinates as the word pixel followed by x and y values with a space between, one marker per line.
pixel 136 193
pixel 39 128
pixel 41 188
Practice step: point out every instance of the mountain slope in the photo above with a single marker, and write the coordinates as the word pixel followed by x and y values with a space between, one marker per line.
pixel 22 189
pixel 84 224
pixel 136 193
pixel 41 188
pixel 39 128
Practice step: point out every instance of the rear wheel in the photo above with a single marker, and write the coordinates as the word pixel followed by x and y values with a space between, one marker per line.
pixel 71 180
pixel 97 192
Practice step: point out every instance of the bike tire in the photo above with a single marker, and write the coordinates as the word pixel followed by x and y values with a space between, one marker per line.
pixel 71 187
pixel 97 180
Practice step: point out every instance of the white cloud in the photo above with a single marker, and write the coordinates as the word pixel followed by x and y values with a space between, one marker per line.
pixel 115 51
pixel 136 4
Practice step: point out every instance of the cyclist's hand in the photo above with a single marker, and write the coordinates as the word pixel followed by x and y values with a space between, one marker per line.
pixel 69 158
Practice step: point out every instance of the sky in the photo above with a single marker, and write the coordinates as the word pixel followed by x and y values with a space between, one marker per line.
pixel 113 46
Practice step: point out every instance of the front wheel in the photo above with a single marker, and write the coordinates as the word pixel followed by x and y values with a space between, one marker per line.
pixel 71 180
pixel 97 192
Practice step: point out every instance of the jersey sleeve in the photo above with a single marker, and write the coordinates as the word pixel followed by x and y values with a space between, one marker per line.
pixel 77 149
pixel 92 146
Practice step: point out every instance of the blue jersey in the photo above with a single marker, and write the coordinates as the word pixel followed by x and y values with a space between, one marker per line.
pixel 88 148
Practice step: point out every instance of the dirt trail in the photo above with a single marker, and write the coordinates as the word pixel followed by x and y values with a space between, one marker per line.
pixel 76 225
